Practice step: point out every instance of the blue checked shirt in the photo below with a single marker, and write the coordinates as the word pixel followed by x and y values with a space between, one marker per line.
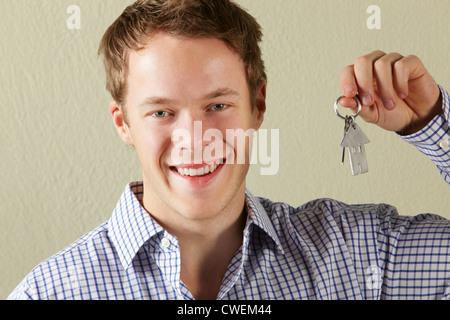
pixel 324 249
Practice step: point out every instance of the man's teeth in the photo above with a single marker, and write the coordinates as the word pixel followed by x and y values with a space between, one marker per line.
pixel 198 172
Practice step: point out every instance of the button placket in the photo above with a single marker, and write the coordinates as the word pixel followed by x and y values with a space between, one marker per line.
pixel 444 144
pixel 166 243
pixel 167 258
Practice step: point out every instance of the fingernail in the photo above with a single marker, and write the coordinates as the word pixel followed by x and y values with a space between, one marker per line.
pixel 388 104
pixel 348 90
pixel 402 95
pixel 366 99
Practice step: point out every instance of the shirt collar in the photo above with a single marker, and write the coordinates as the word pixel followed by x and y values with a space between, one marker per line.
pixel 130 226
pixel 258 215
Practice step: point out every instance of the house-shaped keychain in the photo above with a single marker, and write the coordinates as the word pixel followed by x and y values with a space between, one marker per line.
pixel 354 140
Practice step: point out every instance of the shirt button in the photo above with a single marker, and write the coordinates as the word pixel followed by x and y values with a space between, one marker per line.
pixel 165 243
pixel 444 144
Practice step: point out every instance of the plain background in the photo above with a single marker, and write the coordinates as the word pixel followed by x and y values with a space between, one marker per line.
pixel 63 166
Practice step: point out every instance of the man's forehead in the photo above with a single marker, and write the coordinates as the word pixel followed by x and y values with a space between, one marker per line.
pixel 168 45
pixel 169 68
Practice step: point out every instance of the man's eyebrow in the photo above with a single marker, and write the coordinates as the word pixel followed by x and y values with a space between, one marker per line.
pixel 156 101
pixel 222 92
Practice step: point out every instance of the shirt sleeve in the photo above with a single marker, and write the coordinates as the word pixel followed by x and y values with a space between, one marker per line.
pixel 434 140
pixel 21 292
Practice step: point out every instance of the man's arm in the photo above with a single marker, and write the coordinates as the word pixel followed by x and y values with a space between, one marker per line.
pixel 434 139
pixel 399 94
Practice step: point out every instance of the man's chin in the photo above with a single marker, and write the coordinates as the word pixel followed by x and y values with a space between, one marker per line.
pixel 198 213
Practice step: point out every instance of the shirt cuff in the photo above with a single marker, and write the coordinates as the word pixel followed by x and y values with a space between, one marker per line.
pixel 434 140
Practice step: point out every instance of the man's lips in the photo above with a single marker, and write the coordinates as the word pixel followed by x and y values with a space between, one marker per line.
pixel 197 170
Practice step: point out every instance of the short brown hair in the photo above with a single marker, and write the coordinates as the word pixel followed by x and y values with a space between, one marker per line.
pixel 221 19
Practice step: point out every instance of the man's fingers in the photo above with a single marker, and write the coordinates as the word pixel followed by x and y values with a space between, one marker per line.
pixel 348 82
pixel 379 80
pixel 363 71
pixel 348 87
pixel 358 79
pixel 404 70
pixel 395 91
pixel 383 74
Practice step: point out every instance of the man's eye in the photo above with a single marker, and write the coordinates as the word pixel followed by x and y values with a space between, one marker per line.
pixel 160 114
pixel 218 107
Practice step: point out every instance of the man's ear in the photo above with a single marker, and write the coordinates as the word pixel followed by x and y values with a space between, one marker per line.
pixel 260 104
pixel 119 122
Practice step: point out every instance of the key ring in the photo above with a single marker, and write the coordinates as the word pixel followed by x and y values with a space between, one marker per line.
pixel 355 115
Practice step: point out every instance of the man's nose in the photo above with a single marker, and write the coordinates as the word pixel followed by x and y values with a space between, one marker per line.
pixel 193 124
pixel 188 137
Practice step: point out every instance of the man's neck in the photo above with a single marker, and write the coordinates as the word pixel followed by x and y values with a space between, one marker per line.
pixel 207 246
pixel 205 259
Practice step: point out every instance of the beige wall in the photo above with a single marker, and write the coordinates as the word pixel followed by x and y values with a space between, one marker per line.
pixel 63 167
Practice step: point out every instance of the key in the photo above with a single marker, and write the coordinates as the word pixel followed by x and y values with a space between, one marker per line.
pixel 354 141
pixel 347 124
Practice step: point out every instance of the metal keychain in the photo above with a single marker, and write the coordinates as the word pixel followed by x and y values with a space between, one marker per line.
pixel 354 140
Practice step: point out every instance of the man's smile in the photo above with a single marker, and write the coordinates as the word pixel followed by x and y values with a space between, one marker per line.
pixel 197 171
pixel 201 171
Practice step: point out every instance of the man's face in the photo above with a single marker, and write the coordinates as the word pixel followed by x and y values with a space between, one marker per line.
pixel 177 91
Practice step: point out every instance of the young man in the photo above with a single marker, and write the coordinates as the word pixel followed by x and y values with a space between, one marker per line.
pixel 190 230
